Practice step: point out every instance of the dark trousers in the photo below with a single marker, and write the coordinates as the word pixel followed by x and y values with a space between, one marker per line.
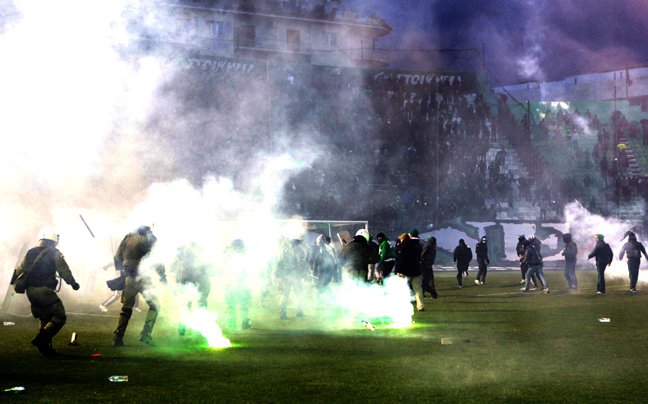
pixel 386 268
pixel 427 276
pixel 483 269
pixel 633 270
pixel 600 269
pixel 461 268
pixel 570 274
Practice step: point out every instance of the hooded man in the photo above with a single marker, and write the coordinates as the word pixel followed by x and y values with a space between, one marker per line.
pixel 520 253
pixel 634 249
pixel 604 257
pixel 482 260
pixel 462 257
pixel 37 275
pixel 408 264
pixel 570 252
pixel 428 256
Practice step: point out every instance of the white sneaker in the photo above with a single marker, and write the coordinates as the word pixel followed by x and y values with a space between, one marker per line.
pixel 522 281
pixel 103 308
pixel 533 288
pixel 546 290
pixel 460 286
pixel 477 282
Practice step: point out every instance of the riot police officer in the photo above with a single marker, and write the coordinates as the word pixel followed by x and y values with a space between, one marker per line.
pixel 133 248
pixel 39 267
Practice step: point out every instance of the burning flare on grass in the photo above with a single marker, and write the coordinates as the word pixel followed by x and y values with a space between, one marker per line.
pixel 204 322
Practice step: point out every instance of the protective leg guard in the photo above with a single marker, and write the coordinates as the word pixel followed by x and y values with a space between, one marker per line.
pixel 149 323
pixel 122 324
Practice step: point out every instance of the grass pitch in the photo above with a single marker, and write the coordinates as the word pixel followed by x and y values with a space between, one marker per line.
pixel 508 347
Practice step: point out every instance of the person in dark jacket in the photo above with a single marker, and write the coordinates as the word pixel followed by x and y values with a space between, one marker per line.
pixel 570 252
pixel 462 257
pixel 604 257
pixel 634 249
pixel 45 262
pixel 408 264
pixel 533 258
pixel 520 253
pixel 481 249
pixel 387 260
pixel 428 256
pixel 356 257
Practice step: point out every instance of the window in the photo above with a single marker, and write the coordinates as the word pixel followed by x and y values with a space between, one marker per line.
pixel 183 25
pixel 215 28
pixel 331 39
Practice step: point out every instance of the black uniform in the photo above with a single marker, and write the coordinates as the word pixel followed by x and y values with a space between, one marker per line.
pixel 428 256
pixel 462 257
pixel 481 249
pixel 634 249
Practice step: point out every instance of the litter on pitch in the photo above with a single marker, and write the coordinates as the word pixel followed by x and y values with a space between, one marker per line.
pixel 73 340
pixel 9 323
pixel 18 389
pixel 604 320
pixel 446 341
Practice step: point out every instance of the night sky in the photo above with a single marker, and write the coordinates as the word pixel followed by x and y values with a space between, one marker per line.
pixel 525 39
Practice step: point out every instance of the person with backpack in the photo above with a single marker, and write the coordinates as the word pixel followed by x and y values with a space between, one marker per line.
pixel 36 275
pixel 533 258
pixel 604 257
pixel 462 257
pixel 634 249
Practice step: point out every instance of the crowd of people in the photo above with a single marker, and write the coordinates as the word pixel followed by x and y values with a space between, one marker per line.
pixel 355 262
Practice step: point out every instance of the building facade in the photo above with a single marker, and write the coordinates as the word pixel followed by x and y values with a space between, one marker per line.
pixel 318 32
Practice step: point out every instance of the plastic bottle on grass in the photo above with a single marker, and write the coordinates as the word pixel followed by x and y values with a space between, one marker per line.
pixel 118 378
pixel 9 323
pixel 15 390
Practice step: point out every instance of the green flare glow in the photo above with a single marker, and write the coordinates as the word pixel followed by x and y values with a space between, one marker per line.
pixel 204 322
